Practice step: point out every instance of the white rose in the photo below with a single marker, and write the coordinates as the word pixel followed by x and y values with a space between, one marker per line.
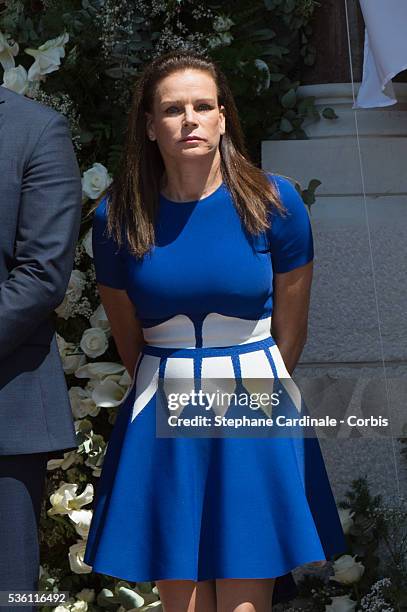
pixel 79 606
pixel 76 555
pixel 99 319
pixel 73 293
pixel 221 23
pixel 7 52
pixel 345 516
pixel 347 570
pixel 95 181
pixel 86 595
pixel 71 358
pixel 342 603
pixel 76 284
pixel 47 57
pixel 82 403
pixel 87 243
pixel 94 342
pixel 16 79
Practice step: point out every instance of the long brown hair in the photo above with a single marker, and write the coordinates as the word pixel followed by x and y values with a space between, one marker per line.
pixel 133 197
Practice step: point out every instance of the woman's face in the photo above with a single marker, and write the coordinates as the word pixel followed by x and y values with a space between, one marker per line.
pixel 185 104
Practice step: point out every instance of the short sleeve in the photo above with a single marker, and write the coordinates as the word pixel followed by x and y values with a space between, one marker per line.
pixel 290 236
pixel 108 258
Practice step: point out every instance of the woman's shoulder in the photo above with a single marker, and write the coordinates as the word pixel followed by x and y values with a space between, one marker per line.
pixel 286 189
pixel 100 210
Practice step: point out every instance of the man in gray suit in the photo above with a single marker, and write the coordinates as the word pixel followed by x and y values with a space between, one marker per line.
pixel 40 211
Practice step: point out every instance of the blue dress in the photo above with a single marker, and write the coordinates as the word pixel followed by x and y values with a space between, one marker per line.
pixel 195 507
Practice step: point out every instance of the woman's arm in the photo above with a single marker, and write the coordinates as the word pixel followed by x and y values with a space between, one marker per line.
pixel 290 312
pixel 126 328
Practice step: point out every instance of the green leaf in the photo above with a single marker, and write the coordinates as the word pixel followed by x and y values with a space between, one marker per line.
pixel 289 6
pixel 289 99
pixel 263 34
pixel 305 103
pixel 313 184
pixel 329 113
pixel 107 599
pixel 291 115
pixel 285 126
pixel 274 50
pixel 308 195
pixel 130 599
pixel 115 73
pixel 275 77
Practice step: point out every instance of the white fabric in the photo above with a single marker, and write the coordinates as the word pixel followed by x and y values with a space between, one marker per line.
pixel 179 368
pixel 220 330
pixel 214 368
pixel 385 51
pixel 177 332
pixel 257 375
pixel 217 330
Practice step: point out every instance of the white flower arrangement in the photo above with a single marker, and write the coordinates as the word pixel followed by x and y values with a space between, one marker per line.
pixel 65 500
pixel 8 50
pixel 87 243
pixel 95 181
pixel 347 570
pixel 16 79
pixel 76 555
pixel 341 603
pixel 73 293
pixel 94 342
pixel 346 518
pixel 82 403
pixel 47 59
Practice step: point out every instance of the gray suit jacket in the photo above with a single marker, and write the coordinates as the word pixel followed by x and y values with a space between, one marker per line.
pixel 40 212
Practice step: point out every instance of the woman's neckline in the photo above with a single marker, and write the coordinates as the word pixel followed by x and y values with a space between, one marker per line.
pixel 205 199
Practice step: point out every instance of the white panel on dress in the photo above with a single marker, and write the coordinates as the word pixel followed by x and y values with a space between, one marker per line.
pixel 255 365
pixel 177 332
pixel 179 368
pixel 220 330
pixel 147 383
pixel 285 378
pixel 214 368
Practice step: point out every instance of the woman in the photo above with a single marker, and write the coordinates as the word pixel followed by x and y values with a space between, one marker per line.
pixel 197 254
